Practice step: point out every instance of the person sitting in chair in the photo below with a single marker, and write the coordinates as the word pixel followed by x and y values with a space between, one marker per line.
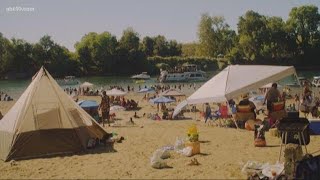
pixel 246 102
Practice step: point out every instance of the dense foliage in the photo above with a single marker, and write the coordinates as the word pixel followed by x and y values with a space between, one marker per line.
pixel 259 39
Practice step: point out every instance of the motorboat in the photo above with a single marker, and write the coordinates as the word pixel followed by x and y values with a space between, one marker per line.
pixel 143 75
pixel 187 73
pixel 68 81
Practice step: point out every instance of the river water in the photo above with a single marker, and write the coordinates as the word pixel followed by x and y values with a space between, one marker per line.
pixel 16 87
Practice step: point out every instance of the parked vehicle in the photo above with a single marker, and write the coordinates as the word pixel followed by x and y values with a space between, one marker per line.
pixel 316 81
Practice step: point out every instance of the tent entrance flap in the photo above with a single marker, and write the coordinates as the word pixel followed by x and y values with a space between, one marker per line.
pixel 47 116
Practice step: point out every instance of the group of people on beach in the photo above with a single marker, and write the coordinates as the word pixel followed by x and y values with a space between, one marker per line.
pixel 273 95
pixel 6 97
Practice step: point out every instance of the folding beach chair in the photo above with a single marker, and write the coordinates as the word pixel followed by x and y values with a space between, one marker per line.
pixel 221 116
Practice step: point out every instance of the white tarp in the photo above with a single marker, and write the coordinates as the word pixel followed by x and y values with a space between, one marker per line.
pixel 237 79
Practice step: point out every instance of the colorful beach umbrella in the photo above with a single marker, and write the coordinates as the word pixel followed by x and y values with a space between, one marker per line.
pixel 161 99
pixel 115 92
pixel 146 90
pixel 171 92
pixel 86 84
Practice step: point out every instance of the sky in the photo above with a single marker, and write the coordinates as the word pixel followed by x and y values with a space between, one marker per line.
pixel 66 21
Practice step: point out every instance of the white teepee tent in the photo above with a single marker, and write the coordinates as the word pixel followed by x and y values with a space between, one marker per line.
pixel 45 121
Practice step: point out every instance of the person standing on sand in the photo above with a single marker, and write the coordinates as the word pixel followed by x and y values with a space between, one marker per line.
pixel 104 107
pixel 207 112
pixel 273 95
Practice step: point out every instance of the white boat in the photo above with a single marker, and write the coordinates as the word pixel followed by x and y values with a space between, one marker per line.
pixel 316 81
pixel 143 75
pixel 68 81
pixel 186 73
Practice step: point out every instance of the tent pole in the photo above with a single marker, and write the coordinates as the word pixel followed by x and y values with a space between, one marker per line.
pixel 234 120
pixel 195 113
pixel 300 95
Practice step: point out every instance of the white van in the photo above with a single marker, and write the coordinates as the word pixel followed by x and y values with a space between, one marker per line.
pixel 316 81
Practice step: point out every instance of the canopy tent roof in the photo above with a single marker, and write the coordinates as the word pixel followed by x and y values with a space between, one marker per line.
pixel 235 80
pixel 171 92
pixel 86 84
pixel 116 92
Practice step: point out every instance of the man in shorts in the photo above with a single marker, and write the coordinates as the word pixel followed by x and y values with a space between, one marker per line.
pixel 104 107
pixel 273 95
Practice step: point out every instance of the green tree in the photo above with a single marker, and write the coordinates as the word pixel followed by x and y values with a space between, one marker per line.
pixel 129 53
pixel 148 46
pixel 21 52
pixel 253 34
pixel 205 34
pixel 5 60
pixel 189 49
pixel 215 36
pixel 160 46
pixel 303 24
pixel 174 48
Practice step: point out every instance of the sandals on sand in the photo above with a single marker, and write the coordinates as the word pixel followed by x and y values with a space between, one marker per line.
pixel 194 162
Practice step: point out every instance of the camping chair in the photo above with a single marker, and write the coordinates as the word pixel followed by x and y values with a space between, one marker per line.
pixel 222 116
pixel 243 114
pixel 278 112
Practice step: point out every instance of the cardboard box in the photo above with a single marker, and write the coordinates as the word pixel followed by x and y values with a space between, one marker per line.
pixel 195 147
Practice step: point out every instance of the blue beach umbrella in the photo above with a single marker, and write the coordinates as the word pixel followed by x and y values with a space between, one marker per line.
pixel 88 104
pixel 161 99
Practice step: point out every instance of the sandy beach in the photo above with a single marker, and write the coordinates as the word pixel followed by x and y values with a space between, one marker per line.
pixel 224 151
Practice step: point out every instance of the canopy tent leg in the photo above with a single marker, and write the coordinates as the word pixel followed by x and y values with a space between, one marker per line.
pixel 195 113
pixel 229 110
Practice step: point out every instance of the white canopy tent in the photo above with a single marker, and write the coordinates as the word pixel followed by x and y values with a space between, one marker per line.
pixel 235 80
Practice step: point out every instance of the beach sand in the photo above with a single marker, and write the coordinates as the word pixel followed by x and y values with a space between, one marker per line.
pixel 224 151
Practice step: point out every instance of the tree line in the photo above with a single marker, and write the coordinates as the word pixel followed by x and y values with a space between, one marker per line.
pixel 262 39
pixel 259 39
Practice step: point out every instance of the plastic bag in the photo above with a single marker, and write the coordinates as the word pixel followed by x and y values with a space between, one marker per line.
pixel 179 145
pixel 157 161
pixel 187 151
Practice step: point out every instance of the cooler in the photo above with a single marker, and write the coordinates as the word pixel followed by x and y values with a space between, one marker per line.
pixel 195 147
pixel 314 126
